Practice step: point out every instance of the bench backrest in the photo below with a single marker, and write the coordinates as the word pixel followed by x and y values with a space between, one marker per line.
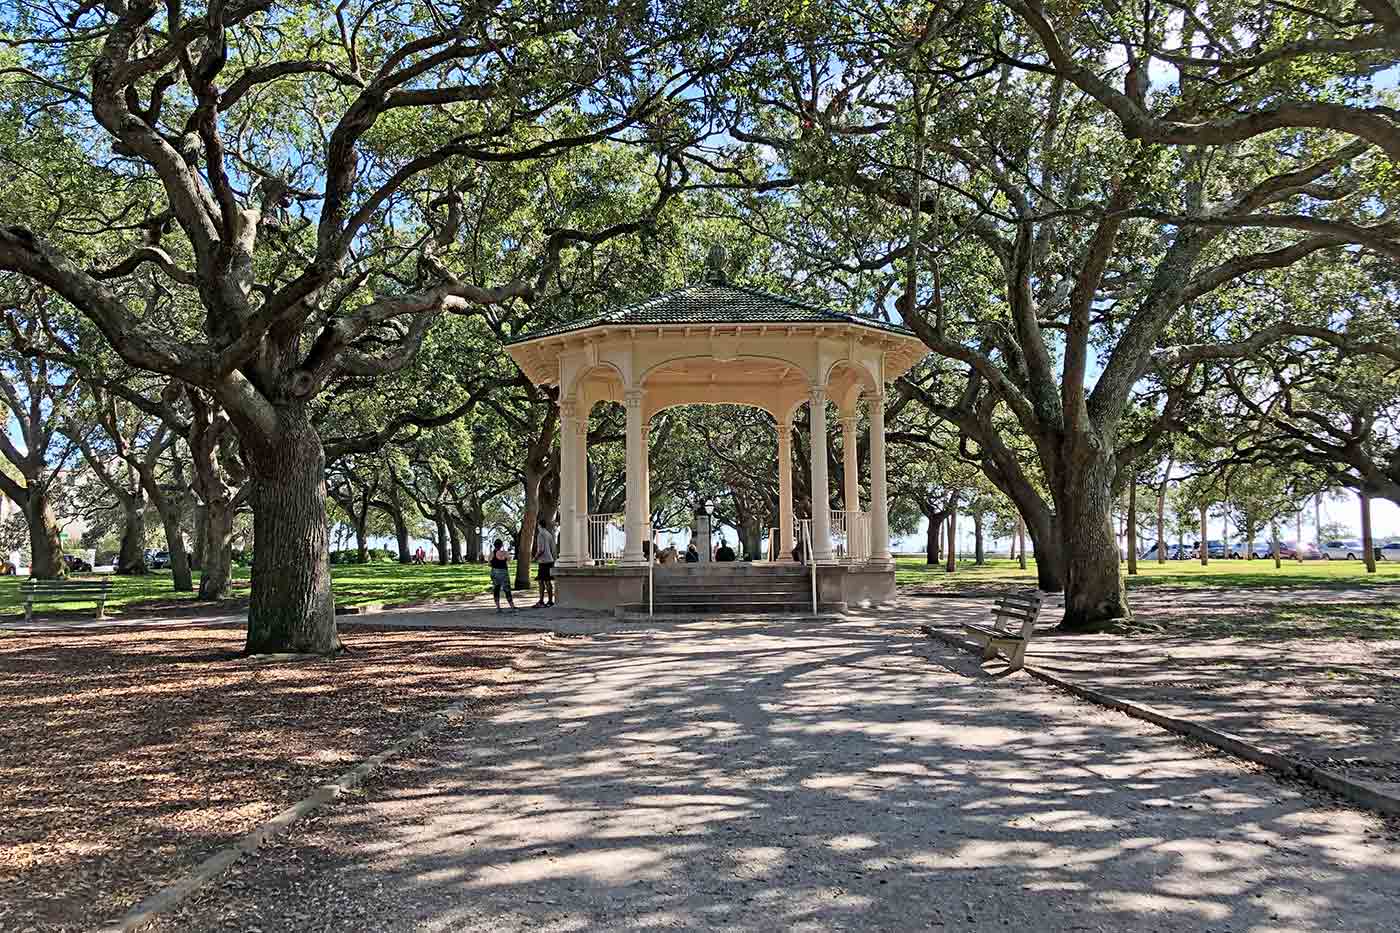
pixel 64 587
pixel 1017 607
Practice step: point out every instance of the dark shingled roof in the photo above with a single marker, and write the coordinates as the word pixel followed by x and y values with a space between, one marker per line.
pixel 715 303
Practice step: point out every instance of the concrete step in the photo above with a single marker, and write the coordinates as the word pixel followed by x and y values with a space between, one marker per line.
pixel 733 607
pixel 722 589
pixel 730 570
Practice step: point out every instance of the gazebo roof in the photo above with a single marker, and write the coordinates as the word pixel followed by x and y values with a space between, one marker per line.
pixel 713 302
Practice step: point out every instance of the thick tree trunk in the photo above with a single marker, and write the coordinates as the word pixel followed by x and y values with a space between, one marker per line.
pixel 175 545
pixel 454 541
pixel 200 523
pixel 1094 594
pixel 131 559
pixel 1132 526
pixel 525 544
pixel 441 540
pixel 216 580
pixel 979 549
pixel 45 543
pixel 1021 540
pixel 292 609
pixel 361 540
pixel 471 538
pixel 1205 546
pixel 953 537
pixel 935 531
pixel 1162 523
pixel 1298 546
pixel 1368 544
pixel 1273 538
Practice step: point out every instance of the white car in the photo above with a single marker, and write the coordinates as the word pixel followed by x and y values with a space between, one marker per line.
pixel 1343 550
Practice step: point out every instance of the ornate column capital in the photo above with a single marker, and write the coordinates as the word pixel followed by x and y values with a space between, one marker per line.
pixel 632 398
pixel 874 396
pixel 848 423
pixel 817 394
pixel 568 409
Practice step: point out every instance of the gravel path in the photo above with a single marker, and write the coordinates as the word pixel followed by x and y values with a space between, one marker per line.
pixel 853 775
pixel 1327 694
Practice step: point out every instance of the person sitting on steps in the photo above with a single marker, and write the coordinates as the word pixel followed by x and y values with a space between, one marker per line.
pixel 724 552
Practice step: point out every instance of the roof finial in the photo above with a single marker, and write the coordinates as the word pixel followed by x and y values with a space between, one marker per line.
pixel 715 263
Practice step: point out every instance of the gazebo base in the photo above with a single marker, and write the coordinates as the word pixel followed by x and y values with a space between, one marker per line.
pixel 726 587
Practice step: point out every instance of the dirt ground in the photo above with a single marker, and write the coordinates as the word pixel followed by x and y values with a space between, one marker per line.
pixel 127 756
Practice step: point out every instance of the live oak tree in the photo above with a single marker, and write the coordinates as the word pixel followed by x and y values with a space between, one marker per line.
pixel 288 180
pixel 1093 221
pixel 36 396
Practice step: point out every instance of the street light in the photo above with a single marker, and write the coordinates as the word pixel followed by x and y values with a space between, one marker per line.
pixel 709 507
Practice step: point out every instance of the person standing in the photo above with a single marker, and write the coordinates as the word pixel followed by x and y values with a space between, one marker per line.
pixel 544 556
pixel 500 574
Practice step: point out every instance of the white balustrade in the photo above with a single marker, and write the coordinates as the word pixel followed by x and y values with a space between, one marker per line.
pixel 605 538
pixel 850 536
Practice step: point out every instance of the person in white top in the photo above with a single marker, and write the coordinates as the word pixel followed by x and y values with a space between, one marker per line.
pixel 544 553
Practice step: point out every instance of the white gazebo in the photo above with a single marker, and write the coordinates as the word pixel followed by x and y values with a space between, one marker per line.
pixel 715 343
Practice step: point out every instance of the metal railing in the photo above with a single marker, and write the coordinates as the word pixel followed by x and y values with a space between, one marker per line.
pixel 806 528
pixel 850 536
pixel 651 568
pixel 604 538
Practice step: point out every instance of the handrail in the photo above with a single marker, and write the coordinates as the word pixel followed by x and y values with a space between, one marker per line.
pixel 651 564
pixel 811 562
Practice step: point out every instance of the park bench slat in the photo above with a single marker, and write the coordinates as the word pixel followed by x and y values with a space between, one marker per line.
pixel 57 591
pixel 1023 608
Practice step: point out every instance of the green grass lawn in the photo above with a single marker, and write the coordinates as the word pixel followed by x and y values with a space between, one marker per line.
pixel 1337 574
pixel 354 585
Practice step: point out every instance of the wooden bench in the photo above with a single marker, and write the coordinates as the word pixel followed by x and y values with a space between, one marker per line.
pixel 63 591
pixel 1019 608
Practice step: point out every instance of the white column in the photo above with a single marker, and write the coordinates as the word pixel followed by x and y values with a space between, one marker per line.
pixel 632 554
pixel 646 471
pixel 580 479
pixel 821 487
pixel 879 503
pixel 785 538
pixel 848 456
pixel 568 487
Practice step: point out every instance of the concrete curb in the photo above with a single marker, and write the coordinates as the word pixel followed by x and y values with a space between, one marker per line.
pixel 173 894
pixel 1358 792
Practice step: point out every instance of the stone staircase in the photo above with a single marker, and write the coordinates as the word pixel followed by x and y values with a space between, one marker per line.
pixel 734 588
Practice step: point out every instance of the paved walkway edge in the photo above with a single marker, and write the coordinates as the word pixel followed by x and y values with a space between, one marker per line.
pixel 206 871
pixel 1358 792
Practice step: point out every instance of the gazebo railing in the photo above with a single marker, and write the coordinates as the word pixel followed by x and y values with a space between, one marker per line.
pixel 805 529
pixel 605 538
pixel 850 536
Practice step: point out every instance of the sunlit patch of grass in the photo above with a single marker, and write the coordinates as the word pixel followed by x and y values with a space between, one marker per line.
pixel 1323 574
pixel 388 583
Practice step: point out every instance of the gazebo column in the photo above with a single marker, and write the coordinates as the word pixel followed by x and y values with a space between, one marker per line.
pixel 785 539
pixel 646 472
pixel 580 480
pixel 851 485
pixel 821 487
pixel 632 554
pixel 568 488
pixel 879 503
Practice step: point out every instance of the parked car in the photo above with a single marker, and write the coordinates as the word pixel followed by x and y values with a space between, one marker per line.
pixel 1389 551
pixel 160 560
pixel 76 564
pixel 1343 550
pixel 1214 549
pixel 1174 552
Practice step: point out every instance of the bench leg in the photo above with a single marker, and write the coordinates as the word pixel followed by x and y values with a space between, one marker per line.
pixel 1018 657
pixel 101 605
pixel 989 651
pixel 29 610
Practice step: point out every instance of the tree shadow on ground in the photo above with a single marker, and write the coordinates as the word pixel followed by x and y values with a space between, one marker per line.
pixel 813 775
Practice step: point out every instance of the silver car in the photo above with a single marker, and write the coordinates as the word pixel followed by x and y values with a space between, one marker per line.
pixel 1343 550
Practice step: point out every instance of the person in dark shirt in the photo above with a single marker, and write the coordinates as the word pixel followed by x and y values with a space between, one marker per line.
pixel 500 574
pixel 725 552
pixel 692 556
